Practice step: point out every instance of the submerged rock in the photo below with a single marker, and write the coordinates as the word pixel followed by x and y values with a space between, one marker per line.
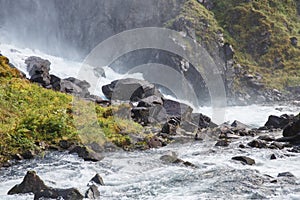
pixel 86 153
pixel 52 193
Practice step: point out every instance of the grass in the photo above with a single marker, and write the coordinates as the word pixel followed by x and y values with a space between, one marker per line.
pixel 30 114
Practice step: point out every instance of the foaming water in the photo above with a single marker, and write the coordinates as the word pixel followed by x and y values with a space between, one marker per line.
pixel 142 175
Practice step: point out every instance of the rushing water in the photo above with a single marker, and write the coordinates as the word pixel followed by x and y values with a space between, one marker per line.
pixel 142 175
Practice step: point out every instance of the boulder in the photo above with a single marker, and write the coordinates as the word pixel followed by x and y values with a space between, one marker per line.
pixel 31 183
pixel 278 122
pixel 129 89
pixel 239 125
pixel 177 109
pixel 293 128
pixel 97 179
pixel 222 143
pixel 201 120
pixel 154 142
pixel 286 174
pixel 55 82
pixel 171 158
pixel 52 193
pixel 150 101
pixel 244 160
pixel 86 153
pixel 38 69
pixel 171 126
pixel 188 126
pixel 295 139
pixel 92 193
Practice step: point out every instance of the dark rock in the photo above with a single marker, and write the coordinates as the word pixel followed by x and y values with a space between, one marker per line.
pixel 29 154
pixel 172 158
pixel 293 128
pixel 294 41
pixel 150 101
pixel 177 109
pixel 154 142
pixel 228 51
pixel 257 143
pixel 266 138
pixel 277 122
pixel 38 69
pixel 276 145
pixel 82 84
pixel 55 82
pixel 273 181
pixel 86 153
pixel 201 120
pixel 97 179
pixel 65 144
pixel 244 160
pixel 92 193
pixel 66 194
pixel 286 174
pixel 188 126
pixel 129 89
pixel 171 126
pixel 292 139
pixel 31 183
pixel 273 157
pixel 141 115
pixel 239 125
pixel 222 143
pixel 242 146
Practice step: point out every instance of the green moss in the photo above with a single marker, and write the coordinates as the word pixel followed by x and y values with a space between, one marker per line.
pixel 260 32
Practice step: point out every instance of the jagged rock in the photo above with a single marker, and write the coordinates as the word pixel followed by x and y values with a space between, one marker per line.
pixel 70 88
pixel 31 183
pixel 141 115
pixel 171 126
pixel 278 122
pixel 257 143
pixel 239 125
pixel 55 82
pixel 86 153
pixel 38 69
pixel 177 109
pixel 97 179
pixel 276 145
pixel 150 101
pixel 244 160
pixel 171 158
pixel 188 126
pixel 52 193
pixel 129 89
pixel 286 174
pixel 92 193
pixel 202 121
pixel 293 128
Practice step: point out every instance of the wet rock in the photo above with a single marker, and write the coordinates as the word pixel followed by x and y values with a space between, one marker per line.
pixel 172 158
pixel 273 157
pixel 86 153
pixel 52 193
pixel 29 154
pixel 293 128
pixel 277 122
pixel 99 72
pixel 222 143
pixel 188 126
pixel 38 69
pixel 31 183
pixel 257 144
pixel 286 174
pixel 295 140
pixel 150 101
pixel 129 89
pixel 154 142
pixel 242 146
pixel 177 109
pixel 239 125
pixel 202 121
pixel 266 138
pixel 97 179
pixel 276 145
pixel 244 160
pixel 171 126
pixel 295 149
pixel 92 193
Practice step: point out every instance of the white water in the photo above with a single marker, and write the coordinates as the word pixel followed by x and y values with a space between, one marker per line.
pixel 141 175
